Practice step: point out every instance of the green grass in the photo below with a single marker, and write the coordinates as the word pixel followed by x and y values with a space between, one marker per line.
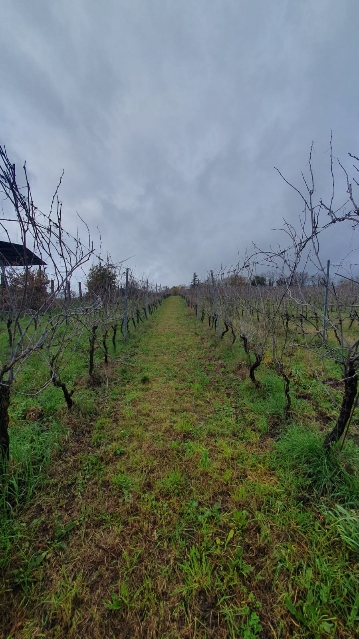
pixel 179 502
pixel 334 475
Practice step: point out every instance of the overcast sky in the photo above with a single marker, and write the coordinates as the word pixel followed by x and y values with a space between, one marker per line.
pixel 168 118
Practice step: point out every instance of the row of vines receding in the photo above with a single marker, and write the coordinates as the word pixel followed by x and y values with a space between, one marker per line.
pixel 44 323
pixel 290 303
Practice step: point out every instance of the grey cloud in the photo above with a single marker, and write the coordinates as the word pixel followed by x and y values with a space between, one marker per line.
pixel 168 117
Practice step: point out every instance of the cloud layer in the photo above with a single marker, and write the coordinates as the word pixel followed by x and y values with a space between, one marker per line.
pixel 169 117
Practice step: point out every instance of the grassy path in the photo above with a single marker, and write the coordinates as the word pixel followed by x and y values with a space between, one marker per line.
pixel 163 516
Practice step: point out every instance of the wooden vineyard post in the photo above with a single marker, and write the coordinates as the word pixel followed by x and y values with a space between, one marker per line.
pixel 215 305
pixel 125 319
pixel 326 302
pixel 147 298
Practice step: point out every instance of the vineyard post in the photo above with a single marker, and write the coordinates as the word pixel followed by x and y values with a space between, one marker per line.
pixel 215 304
pixel 147 298
pixel 126 307
pixel 326 301
pixel 197 287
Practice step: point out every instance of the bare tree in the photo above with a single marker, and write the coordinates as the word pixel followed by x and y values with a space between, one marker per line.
pixel 33 326
pixel 337 341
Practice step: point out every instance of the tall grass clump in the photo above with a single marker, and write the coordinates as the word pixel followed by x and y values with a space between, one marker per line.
pixel 347 525
pixel 30 450
pixel 334 474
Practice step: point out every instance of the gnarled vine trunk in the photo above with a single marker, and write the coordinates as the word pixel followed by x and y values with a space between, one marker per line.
pixel 254 366
pixel 92 349
pixel 350 391
pixel 67 394
pixel 4 425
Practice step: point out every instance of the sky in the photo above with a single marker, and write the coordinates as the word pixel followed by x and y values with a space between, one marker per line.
pixel 169 117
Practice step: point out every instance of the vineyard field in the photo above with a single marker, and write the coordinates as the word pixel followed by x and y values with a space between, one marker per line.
pixel 177 498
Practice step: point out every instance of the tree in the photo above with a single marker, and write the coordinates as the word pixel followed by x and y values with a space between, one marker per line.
pixel 259 280
pixel 101 281
pixel 36 320
pixel 235 279
pixel 34 283
pixel 195 280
